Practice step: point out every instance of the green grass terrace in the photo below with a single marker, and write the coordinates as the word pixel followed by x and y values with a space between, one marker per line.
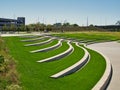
pixel 36 76
pixel 90 36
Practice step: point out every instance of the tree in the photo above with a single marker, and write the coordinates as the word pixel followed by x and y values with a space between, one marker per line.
pixel 118 22
pixel 37 26
pixel 42 27
pixel 49 27
pixel 66 24
pixel 22 28
pixel 91 25
pixel 57 24
pixel 75 25
pixel 31 27
pixel 5 28
pixel 13 27
pixel 27 29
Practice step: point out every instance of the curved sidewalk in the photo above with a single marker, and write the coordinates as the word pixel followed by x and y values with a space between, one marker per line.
pixel 111 50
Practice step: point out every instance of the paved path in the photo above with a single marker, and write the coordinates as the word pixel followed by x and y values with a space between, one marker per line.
pixel 22 34
pixel 112 51
pixel 9 35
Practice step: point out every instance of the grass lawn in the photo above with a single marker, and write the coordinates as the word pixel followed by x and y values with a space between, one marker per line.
pixel 86 78
pixel 95 36
pixel 29 36
pixel 45 39
pixel 40 46
pixel 36 76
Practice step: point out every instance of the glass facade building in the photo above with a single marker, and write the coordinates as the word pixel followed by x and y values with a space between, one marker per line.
pixel 8 22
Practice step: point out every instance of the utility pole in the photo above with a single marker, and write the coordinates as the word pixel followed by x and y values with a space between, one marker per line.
pixel 105 21
pixel 43 20
pixel 38 19
pixel 55 21
pixel 14 16
pixel 87 22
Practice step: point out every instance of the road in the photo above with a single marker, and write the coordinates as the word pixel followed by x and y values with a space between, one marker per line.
pixel 112 51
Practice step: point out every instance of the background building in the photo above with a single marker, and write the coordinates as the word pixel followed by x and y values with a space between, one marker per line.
pixel 8 22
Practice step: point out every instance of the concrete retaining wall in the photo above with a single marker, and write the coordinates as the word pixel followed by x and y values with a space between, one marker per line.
pixel 30 40
pixel 31 36
pixel 74 67
pixel 59 56
pixel 105 79
pixel 48 48
pixel 41 43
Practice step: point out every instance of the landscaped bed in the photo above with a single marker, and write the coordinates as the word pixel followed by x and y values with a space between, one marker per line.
pixel 9 78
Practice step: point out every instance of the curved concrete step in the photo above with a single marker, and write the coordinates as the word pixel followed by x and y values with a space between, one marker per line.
pixel 75 66
pixel 30 40
pixel 59 56
pixel 105 79
pixel 48 48
pixel 30 36
pixel 41 43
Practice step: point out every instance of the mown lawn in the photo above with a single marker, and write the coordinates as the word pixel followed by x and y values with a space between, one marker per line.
pixel 95 36
pixel 36 76
pixel 40 46
pixel 41 40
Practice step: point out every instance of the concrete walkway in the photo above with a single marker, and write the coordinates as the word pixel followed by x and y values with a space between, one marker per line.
pixel 112 51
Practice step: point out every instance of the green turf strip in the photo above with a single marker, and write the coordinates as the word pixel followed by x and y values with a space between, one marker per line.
pixel 69 60
pixel 86 78
pixel 36 41
pixel 35 76
pixel 38 56
pixel 30 48
pixel 27 38
pixel 89 36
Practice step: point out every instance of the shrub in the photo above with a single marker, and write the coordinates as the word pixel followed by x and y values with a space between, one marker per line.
pixel 9 79
pixel 13 87
pixel 1 59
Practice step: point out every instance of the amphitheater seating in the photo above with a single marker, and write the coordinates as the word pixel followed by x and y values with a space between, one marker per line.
pixel 76 66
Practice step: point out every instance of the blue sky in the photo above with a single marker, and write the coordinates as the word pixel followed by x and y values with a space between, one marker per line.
pixel 99 12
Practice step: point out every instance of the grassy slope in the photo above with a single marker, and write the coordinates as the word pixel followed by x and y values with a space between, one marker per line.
pixel 36 41
pixel 8 72
pixel 31 36
pixel 35 76
pixel 40 46
pixel 92 35
pixel 87 77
